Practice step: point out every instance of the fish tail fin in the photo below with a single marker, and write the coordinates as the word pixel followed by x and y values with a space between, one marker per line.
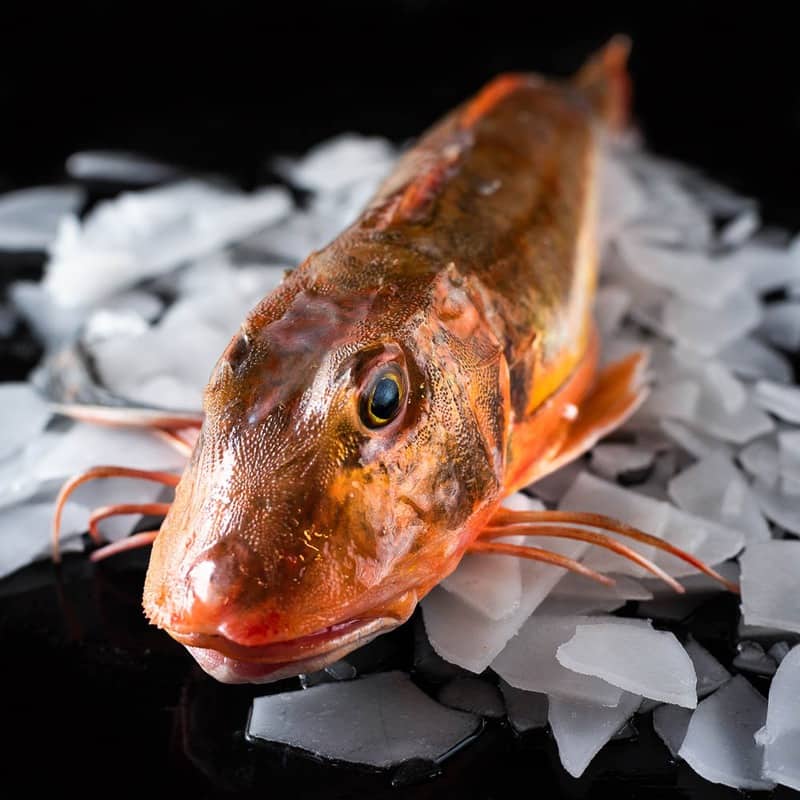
pixel 604 80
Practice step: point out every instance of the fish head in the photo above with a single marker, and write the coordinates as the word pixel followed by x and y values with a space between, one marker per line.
pixel 352 442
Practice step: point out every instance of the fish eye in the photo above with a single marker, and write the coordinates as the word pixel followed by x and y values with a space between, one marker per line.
pixel 382 398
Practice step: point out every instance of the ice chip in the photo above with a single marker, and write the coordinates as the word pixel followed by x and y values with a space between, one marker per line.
pixel 781 507
pixel 119 167
pixel 709 330
pixel 671 723
pixel 610 307
pixel 345 159
pixel 635 658
pixel 769 585
pixel 526 710
pixel 30 218
pixel 781 324
pixel 713 488
pixel 750 358
pixel 752 658
pixel 581 729
pixel 473 695
pixel 85 445
pixel 25 533
pixel 144 234
pixel 781 735
pixel 620 460
pixel 710 673
pixel 23 414
pixel 529 662
pixel 740 228
pixel 379 720
pixel 600 497
pixel 719 743
pixel 778 399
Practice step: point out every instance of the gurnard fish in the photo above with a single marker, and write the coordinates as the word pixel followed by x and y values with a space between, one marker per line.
pixel 364 424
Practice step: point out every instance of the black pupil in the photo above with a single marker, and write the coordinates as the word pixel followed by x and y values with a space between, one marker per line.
pixel 385 399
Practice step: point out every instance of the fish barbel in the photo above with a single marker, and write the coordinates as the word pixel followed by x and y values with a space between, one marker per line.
pixel 363 426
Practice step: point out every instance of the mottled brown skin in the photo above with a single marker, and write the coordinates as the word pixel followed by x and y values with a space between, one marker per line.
pixel 467 272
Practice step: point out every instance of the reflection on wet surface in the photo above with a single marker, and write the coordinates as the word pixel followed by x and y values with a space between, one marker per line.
pixel 100 699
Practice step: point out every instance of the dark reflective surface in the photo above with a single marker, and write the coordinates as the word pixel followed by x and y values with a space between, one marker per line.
pixel 95 698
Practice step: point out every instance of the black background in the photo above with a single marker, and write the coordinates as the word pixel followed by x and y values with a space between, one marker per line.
pixel 223 86
pixel 92 699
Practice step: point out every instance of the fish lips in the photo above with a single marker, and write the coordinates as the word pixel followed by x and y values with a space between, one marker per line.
pixel 230 662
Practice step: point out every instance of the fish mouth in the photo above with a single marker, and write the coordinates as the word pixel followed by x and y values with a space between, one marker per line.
pixel 230 662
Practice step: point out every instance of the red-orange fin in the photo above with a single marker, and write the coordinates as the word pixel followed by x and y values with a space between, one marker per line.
pixel 570 422
pixel 605 82
pixel 619 390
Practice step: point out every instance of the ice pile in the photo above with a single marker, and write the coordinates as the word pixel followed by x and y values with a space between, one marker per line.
pixel 141 295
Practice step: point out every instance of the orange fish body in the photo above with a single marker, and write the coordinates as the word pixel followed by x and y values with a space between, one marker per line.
pixel 363 426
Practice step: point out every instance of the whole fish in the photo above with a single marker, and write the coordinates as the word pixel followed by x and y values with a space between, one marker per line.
pixel 365 423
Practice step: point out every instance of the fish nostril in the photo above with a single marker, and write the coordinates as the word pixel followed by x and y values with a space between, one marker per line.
pixel 224 574
pixel 201 578
pixel 237 351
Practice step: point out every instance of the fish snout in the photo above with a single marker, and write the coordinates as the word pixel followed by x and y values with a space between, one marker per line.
pixel 218 593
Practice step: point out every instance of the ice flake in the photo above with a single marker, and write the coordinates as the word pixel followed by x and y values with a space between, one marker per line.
pixel 719 743
pixel 769 585
pixel 778 399
pixel 472 640
pixel 380 720
pixel 619 460
pixel 763 265
pixel 702 538
pixel 529 662
pixel 781 507
pixel 693 277
pixel 526 710
pixel 761 460
pixel 472 695
pixel 750 358
pixel 23 414
pixel 29 218
pixel 781 734
pixel 781 324
pixel 750 657
pixel 671 723
pixel 714 489
pixel 610 306
pixel 694 442
pixel 581 729
pixel 118 166
pixel 574 594
pixel 85 445
pixel 18 481
pixel 600 497
pixel 709 330
pixel 740 228
pixel 635 658
pixel 343 160
pixel 25 533
pixel 710 673
pixel 490 585
pixel 144 234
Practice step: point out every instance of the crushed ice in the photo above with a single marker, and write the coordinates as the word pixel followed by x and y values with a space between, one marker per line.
pixel 141 294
